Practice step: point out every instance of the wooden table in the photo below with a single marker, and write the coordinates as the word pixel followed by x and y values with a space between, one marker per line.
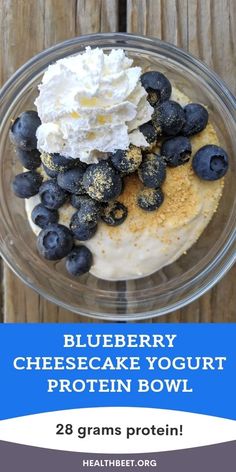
pixel 206 28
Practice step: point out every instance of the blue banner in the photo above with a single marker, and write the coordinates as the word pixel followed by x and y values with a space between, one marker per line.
pixel 49 367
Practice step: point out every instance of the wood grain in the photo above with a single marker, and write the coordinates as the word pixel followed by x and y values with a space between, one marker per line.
pixel 48 22
pixel 93 16
pixel 166 19
pixel 207 28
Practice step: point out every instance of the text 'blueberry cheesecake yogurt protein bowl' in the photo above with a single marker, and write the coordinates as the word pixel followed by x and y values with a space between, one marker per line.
pixel 121 172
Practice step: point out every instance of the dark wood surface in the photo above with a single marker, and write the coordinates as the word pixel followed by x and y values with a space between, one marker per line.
pixel 206 28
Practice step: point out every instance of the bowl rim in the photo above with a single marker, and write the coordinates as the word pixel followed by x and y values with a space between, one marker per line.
pixel 148 41
pixel 125 317
pixel 115 35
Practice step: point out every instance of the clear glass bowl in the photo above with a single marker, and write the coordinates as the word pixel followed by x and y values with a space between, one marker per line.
pixel 175 285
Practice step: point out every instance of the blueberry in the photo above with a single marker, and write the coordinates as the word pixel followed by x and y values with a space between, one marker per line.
pixel 52 196
pixel 157 86
pixel 89 210
pixel 55 242
pixel 149 132
pixel 168 118
pixel 77 201
pixel 50 173
pixel 81 228
pixel 114 213
pixel 196 119
pixel 152 171
pixel 79 261
pixel 210 162
pixel 71 180
pixel 102 182
pixel 150 199
pixel 57 163
pixel 128 160
pixel 42 216
pixel 86 205
pixel 84 233
pixel 27 184
pixel 176 151
pixel 87 215
pixel 23 130
pixel 29 159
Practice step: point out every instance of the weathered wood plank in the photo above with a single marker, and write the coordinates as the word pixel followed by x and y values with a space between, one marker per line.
pixel 207 29
pixel 96 16
pixel 18 42
pixel 48 22
pixel 166 20
pixel 15 50
pixel 212 35
pixel 59 21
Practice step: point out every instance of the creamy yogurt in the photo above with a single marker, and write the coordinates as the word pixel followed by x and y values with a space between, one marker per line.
pixel 91 104
pixel 148 241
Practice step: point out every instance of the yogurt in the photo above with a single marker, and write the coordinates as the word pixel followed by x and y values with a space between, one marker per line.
pixel 148 241
pixel 93 103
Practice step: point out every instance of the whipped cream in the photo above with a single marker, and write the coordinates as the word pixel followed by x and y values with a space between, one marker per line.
pixel 91 104
pixel 145 242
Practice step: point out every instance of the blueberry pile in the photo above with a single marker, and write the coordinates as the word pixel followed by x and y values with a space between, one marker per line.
pixel 172 126
pixel 93 190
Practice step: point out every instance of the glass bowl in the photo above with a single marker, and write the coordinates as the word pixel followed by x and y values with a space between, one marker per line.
pixel 177 284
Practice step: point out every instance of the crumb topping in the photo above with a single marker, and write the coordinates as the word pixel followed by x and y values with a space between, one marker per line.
pixel 48 162
pixel 183 192
pixel 101 182
pixel 113 208
pixel 152 97
pixel 148 195
pixel 152 164
pixel 134 155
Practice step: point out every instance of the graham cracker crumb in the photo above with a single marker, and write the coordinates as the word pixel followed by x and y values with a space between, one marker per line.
pixel 100 183
pixel 134 154
pixel 183 192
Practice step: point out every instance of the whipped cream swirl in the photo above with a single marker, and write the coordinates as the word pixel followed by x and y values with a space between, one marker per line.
pixel 91 104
